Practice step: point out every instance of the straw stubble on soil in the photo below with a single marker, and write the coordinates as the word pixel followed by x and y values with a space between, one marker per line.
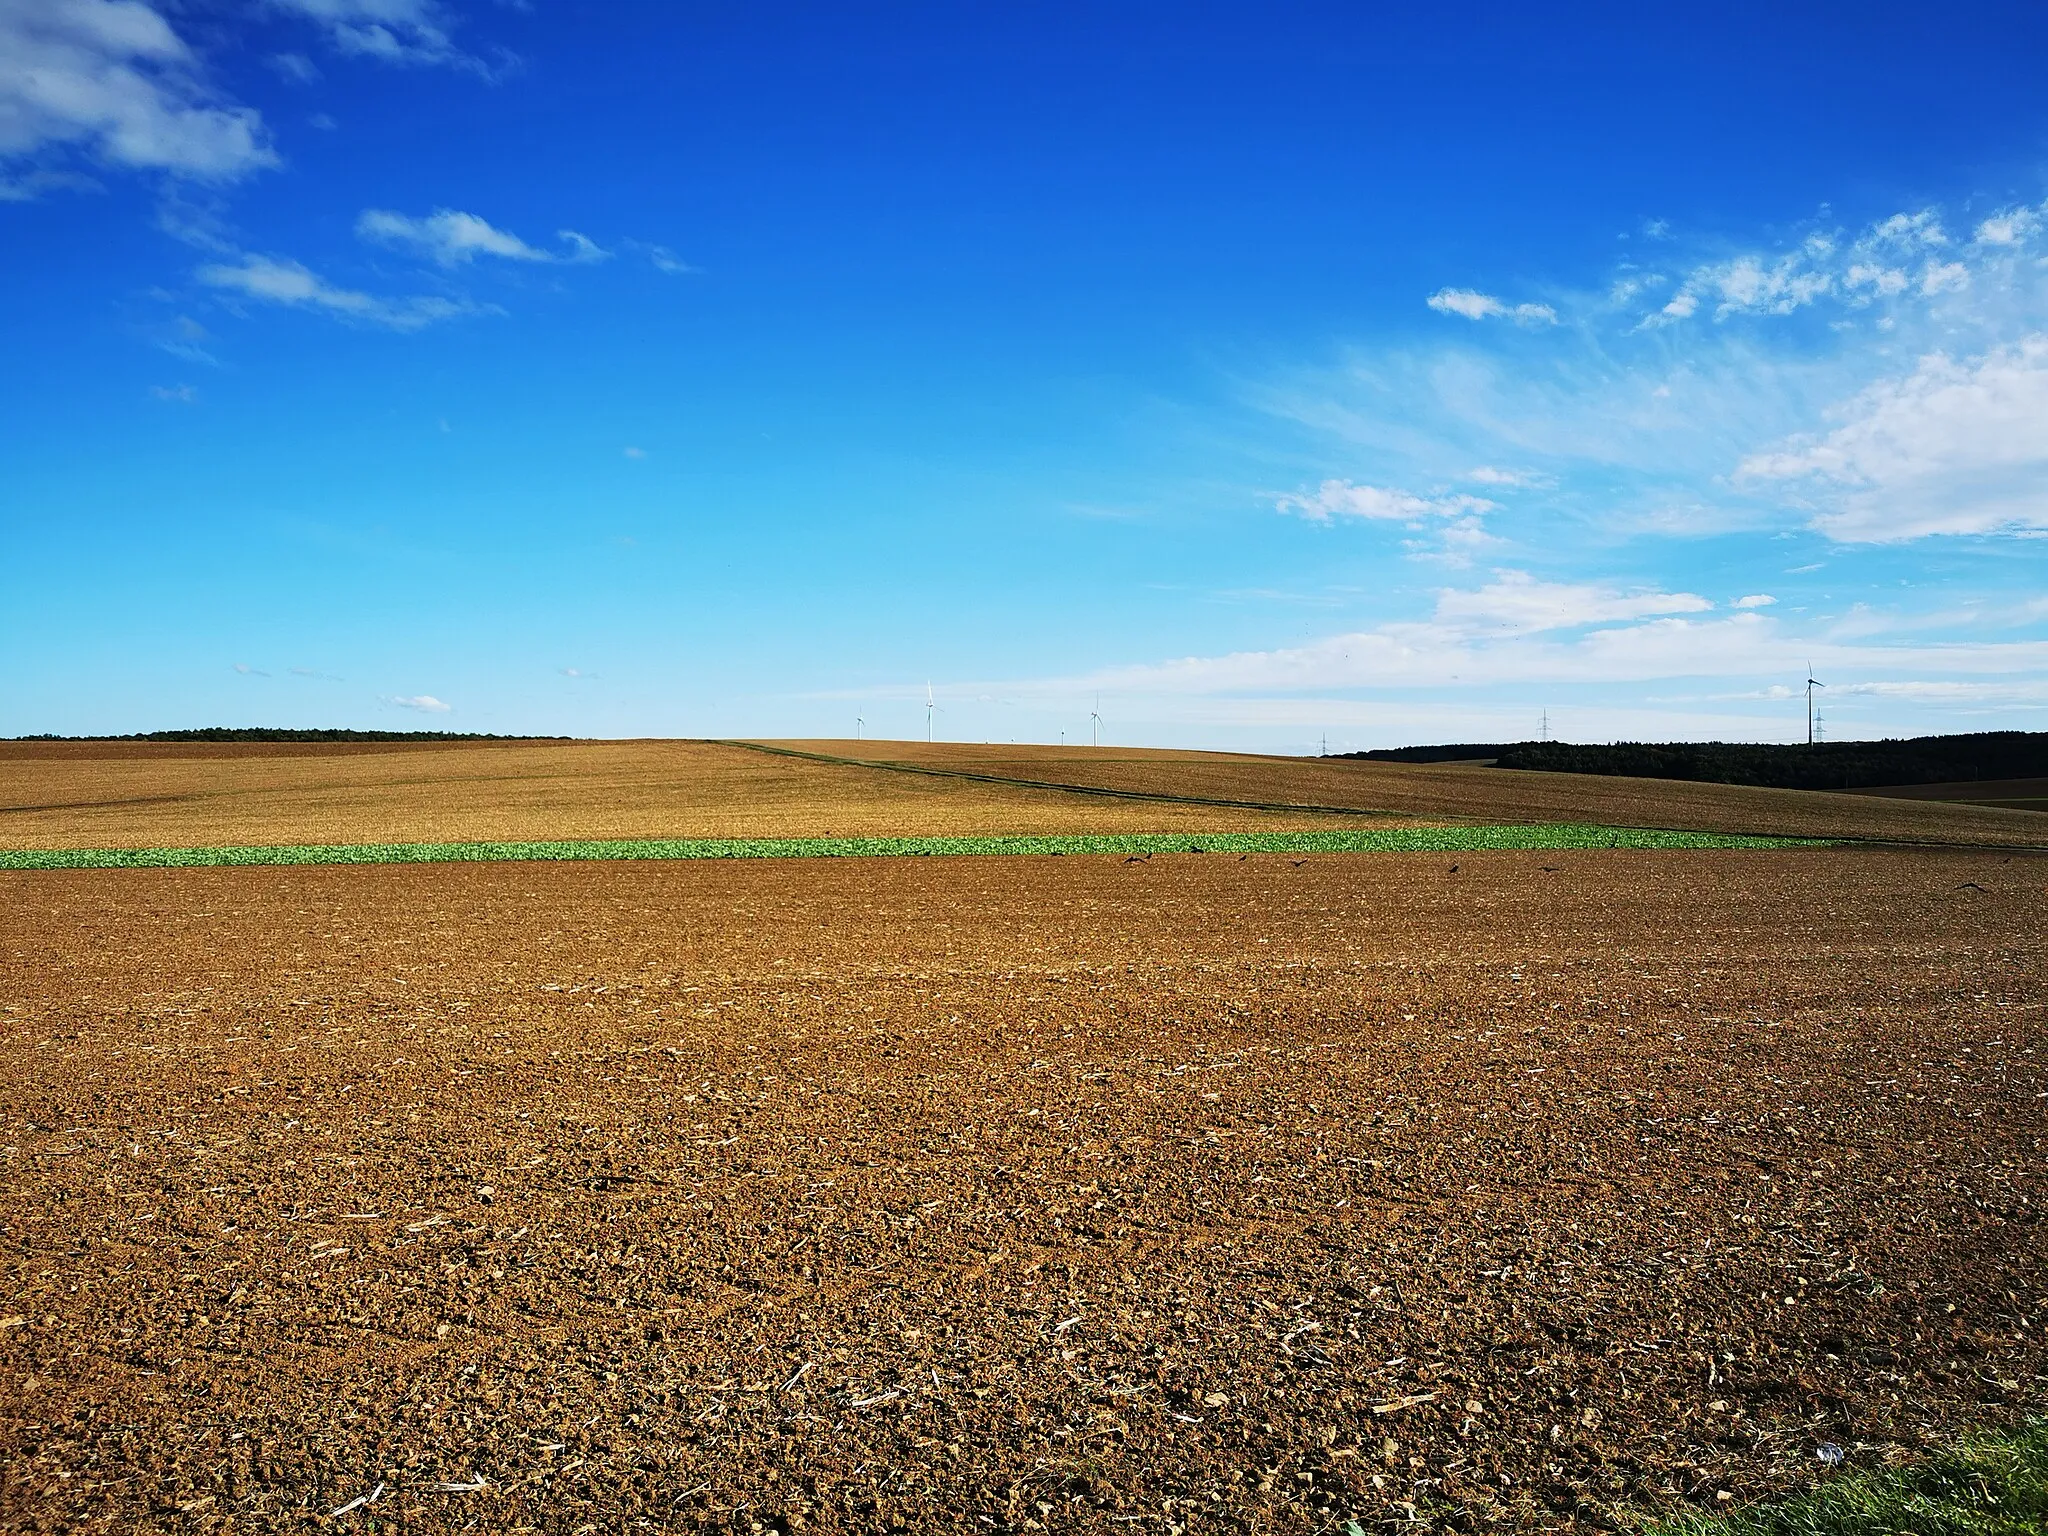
pixel 206 794
pixel 1196 1194
pixel 148 794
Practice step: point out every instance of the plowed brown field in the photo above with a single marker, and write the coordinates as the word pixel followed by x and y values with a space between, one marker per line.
pixel 1197 1194
pixel 147 794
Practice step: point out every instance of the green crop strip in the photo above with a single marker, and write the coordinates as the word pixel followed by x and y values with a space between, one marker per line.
pixel 1381 840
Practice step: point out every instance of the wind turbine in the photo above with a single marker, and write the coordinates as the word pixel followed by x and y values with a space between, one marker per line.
pixel 930 710
pixel 1095 722
pixel 857 724
pixel 1812 683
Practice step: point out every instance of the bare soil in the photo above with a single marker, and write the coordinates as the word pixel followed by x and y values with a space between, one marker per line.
pixel 1192 1194
pixel 2013 794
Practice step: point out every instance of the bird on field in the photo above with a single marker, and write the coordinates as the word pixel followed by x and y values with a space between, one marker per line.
pixel 1969 885
pixel 1454 869
pixel 1137 858
pixel 1550 869
pixel 1299 862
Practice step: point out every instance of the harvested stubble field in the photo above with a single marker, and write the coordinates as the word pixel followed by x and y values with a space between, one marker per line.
pixel 199 794
pixel 1195 1193
pixel 136 794
pixel 1436 791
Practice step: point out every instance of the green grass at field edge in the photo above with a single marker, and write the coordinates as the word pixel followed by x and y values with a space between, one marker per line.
pixel 1992 1484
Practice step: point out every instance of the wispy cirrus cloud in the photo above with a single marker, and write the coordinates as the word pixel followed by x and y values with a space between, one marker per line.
pixel 406 32
pixel 1342 498
pixel 1905 256
pixel 1474 305
pixel 1873 386
pixel 1475 640
pixel 453 239
pixel 279 280
pixel 1516 603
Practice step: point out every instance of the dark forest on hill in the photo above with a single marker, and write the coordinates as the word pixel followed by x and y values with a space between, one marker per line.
pixel 1818 765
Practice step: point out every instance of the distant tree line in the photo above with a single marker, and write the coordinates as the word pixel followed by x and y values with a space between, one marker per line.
pixel 1820 765
pixel 1455 752
pixel 275 733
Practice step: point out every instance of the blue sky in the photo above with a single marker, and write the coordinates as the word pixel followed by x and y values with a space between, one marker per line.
pixel 1271 372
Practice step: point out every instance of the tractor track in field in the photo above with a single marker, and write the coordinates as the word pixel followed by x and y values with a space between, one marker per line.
pixel 1062 787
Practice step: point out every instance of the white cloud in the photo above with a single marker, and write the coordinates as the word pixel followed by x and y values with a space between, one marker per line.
pixel 1517 603
pixel 1754 600
pixel 1753 285
pixel 1686 429
pixel 1464 301
pixel 662 259
pixel 1895 257
pixel 1944 277
pixel 1459 542
pixel 2014 226
pixel 1938 692
pixel 426 703
pixel 276 280
pixel 1450 655
pixel 1952 447
pixel 1909 231
pixel 1341 498
pixel 454 239
pixel 182 338
pixel 1881 280
pixel 392 31
pixel 175 394
pixel 636 453
pixel 111 78
pixel 1474 305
